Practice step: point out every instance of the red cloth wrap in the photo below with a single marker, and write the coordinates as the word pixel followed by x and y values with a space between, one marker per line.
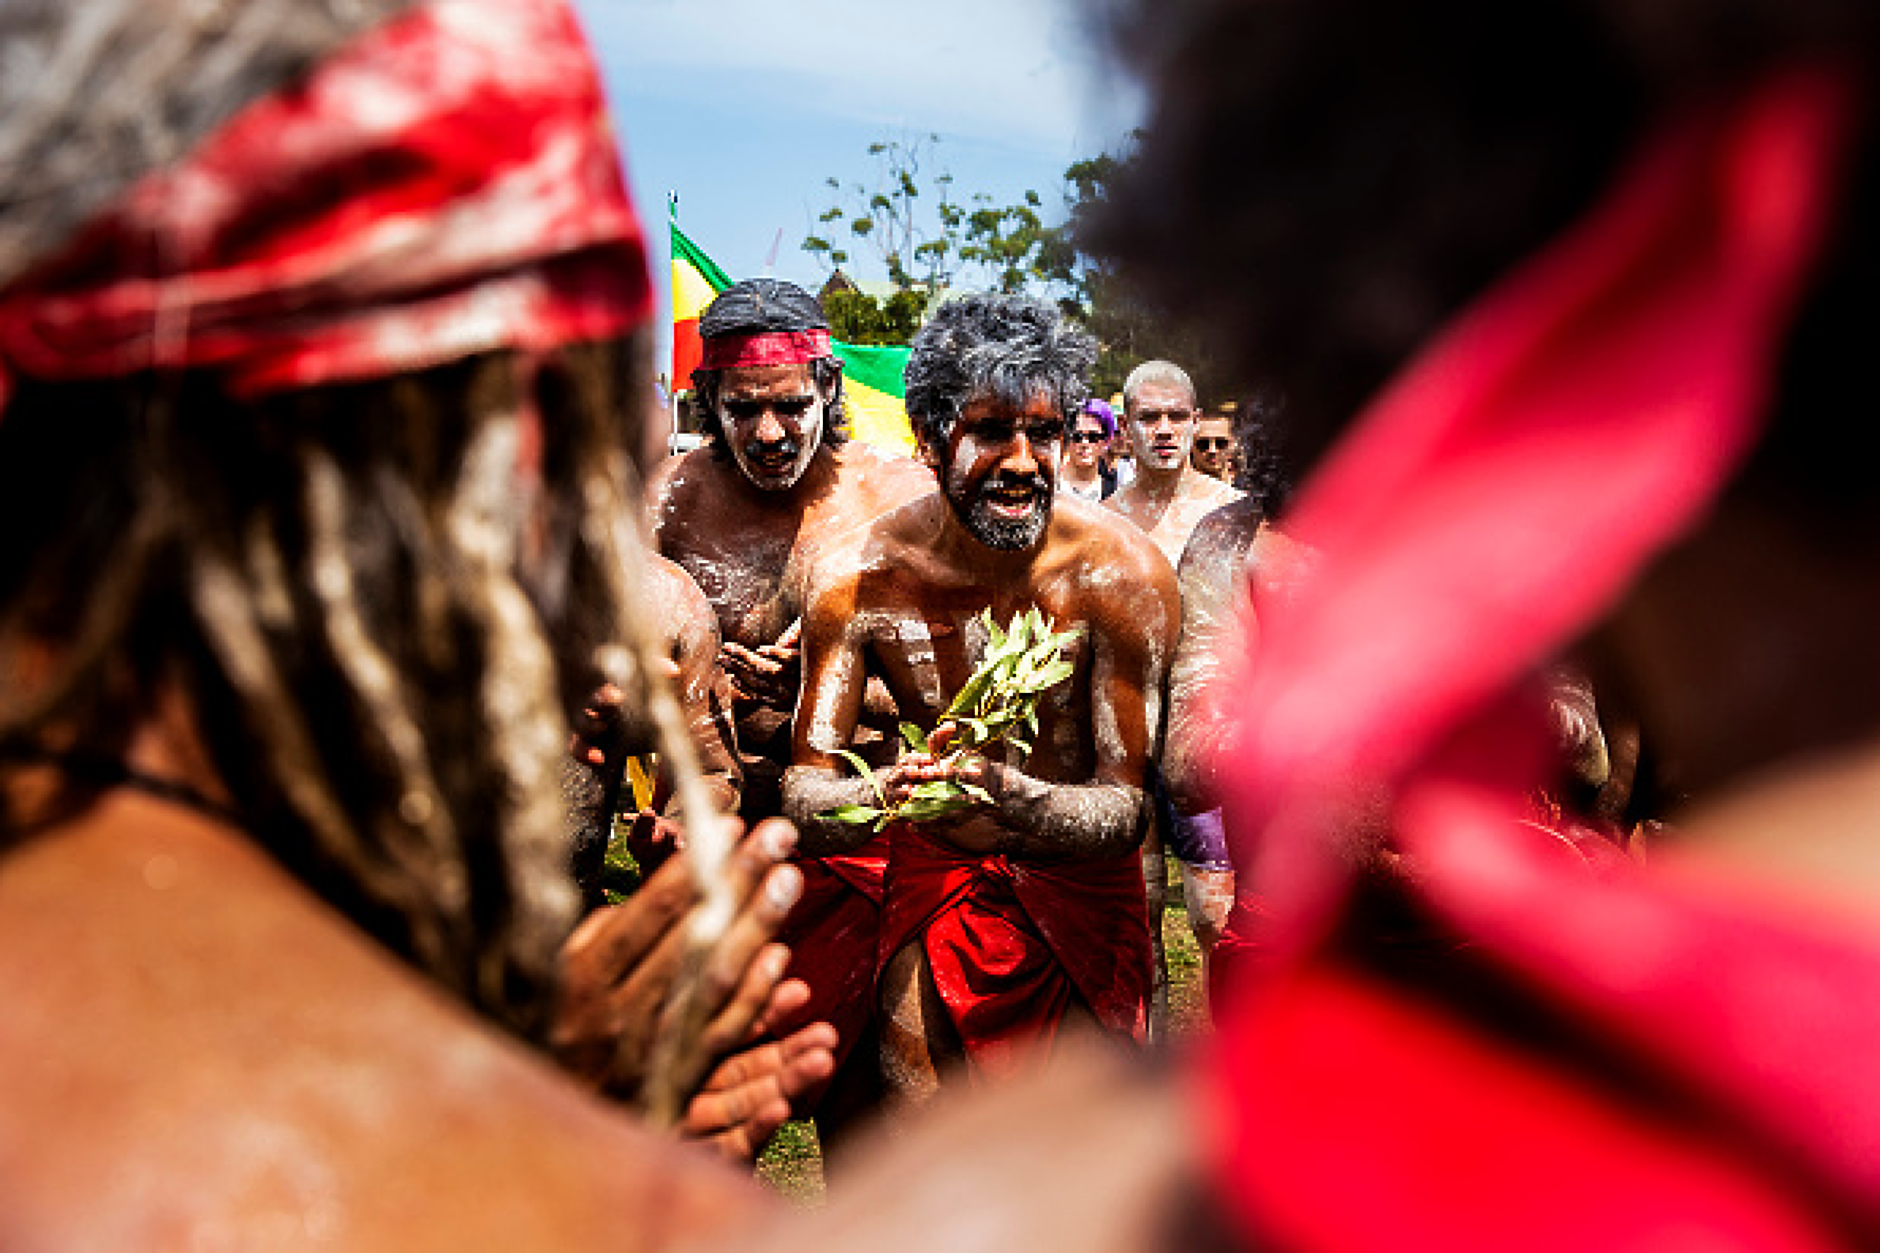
pixel 1486 509
pixel 1011 942
pixel 833 932
pixel 444 185
pixel 771 348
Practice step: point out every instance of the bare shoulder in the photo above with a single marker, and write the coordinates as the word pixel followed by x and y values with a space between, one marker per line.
pixel 684 611
pixel 1223 535
pixel 253 1065
pixel 676 484
pixel 1105 540
pixel 1123 500
pixel 1213 493
pixel 826 572
pixel 660 478
pixel 881 480
pixel 1124 1141
pixel 1122 575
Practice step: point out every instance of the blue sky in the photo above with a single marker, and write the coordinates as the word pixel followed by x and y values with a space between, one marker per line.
pixel 745 107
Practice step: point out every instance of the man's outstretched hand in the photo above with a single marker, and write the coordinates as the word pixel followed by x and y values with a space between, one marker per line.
pixel 618 968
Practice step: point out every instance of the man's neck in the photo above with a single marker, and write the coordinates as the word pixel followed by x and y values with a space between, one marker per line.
pixel 1157 483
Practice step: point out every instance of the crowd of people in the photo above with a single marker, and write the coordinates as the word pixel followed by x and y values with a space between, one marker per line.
pixel 329 630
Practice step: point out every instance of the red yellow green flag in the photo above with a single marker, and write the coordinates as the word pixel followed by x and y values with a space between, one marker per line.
pixel 876 396
pixel 696 278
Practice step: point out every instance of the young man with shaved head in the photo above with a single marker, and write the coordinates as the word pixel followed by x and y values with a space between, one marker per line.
pixel 1026 914
pixel 1167 498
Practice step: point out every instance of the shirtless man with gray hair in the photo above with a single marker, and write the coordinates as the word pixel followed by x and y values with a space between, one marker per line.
pixel 1002 926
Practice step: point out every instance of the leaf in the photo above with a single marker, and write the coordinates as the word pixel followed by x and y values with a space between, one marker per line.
pixel 927 811
pixel 852 815
pixel 862 768
pixel 977 730
pixel 914 737
pixel 1049 677
pixel 967 700
pixel 978 793
pixel 938 790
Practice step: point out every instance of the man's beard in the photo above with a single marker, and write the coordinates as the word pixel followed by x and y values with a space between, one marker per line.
pixel 988 525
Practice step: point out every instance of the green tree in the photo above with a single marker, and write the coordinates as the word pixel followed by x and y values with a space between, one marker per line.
pixel 885 215
pixel 978 243
pixel 858 318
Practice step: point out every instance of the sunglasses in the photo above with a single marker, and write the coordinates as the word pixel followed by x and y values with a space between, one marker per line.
pixel 1212 443
pixel 1088 437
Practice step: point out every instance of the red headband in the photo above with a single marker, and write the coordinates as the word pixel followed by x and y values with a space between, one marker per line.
pixel 444 185
pixel 770 348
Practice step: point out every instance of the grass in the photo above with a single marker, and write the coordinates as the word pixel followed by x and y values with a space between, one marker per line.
pixel 792 1164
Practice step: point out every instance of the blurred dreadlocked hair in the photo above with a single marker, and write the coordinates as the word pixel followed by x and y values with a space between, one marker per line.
pixel 1259 426
pixel 989 344
pixel 331 578
pixel 755 307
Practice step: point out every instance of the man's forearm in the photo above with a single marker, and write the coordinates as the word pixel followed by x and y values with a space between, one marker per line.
pixel 811 790
pixel 1077 820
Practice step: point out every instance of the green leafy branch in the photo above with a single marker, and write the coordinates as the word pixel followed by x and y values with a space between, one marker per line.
pixel 998 703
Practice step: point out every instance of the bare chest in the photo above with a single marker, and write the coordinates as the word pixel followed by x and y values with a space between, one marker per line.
pixel 927 644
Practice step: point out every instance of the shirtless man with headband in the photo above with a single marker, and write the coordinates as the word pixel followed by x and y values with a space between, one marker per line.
pixel 777 480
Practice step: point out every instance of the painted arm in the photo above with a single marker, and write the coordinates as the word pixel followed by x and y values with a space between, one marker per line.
pixel 702 687
pixel 1215 613
pixel 834 680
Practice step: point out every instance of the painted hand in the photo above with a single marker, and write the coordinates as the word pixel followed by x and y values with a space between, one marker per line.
pixel 618 967
pixel 652 838
pixel 751 1094
pixel 767 675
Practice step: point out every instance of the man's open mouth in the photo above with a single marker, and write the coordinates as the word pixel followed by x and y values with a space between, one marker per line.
pixel 773 462
pixel 1011 502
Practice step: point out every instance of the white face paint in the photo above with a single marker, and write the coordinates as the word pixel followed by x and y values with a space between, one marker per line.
pixel 772 417
pixel 1162 425
pixel 1001 469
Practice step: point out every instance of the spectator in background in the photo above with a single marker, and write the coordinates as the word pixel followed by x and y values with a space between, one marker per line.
pixel 1167 498
pixel 1215 454
pixel 1086 472
pixel 1121 458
